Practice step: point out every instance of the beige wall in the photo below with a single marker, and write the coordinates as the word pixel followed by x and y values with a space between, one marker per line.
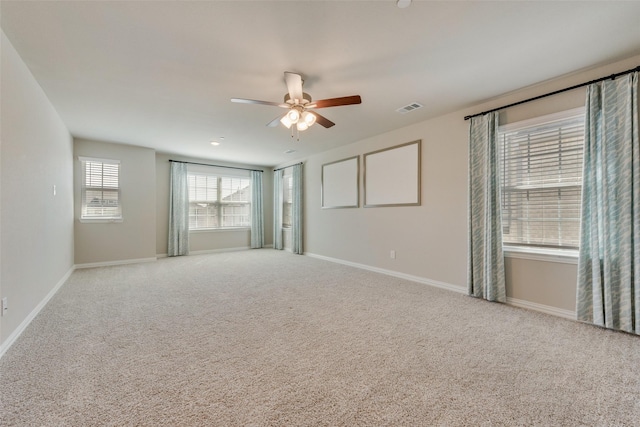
pixel 208 240
pixel 135 237
pixel 431 240
pixel 142 235
pixel 36 226
pixel 542 282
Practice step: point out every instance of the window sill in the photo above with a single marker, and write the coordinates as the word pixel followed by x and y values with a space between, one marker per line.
pixel 100 220
pixel 565 256
pixel 218 230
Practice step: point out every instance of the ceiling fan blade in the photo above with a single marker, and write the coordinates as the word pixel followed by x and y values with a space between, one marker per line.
pixel 254 101
pixel 336 102
pixel 294 85
pixel 322 121
pixel 275 122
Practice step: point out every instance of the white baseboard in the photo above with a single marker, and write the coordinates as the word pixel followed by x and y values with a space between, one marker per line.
pixel 217 251
pixel 434 283
pixel 554 311
pixel 14 336
pixel 110 263
pixel 211 251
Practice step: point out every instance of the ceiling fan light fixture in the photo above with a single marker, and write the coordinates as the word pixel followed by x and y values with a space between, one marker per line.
pixel 293 115
pixel 285 121
pixel 302 125
pixel 309 118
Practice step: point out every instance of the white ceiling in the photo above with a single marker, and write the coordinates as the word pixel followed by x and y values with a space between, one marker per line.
pixel 161 74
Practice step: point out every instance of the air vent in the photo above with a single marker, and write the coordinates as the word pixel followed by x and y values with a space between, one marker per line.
pixel 410 107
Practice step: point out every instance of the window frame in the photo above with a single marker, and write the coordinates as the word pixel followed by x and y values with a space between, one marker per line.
pixel 218 204
pixel 540 252
pixel 84 188
pixel 287 206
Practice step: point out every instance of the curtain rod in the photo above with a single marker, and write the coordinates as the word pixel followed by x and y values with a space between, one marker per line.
pixel 217 166
pixel 612 77
pixel 279 169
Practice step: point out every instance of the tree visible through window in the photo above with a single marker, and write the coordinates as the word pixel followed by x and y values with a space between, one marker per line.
pixel 218 201
pixel 541 181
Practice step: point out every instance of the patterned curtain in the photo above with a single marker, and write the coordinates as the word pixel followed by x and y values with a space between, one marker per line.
pixel 277 208
pixel 178 210
pixel 609 263
pixel 257 217
pixel 296 210
pixel 485 273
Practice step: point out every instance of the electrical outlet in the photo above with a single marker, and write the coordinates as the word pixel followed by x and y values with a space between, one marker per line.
pixel 392 254
pixel 4 306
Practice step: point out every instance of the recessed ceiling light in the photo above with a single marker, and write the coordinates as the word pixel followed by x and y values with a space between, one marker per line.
pixel 215 143
pixel 289 151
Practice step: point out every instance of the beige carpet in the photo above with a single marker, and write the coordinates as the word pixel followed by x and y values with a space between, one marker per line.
pixel 267 338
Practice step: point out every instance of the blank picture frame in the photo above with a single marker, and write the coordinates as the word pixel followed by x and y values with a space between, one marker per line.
pixel 340 184
pixel 392 176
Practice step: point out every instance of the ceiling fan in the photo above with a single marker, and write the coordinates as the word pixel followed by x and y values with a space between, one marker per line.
pixel 300 104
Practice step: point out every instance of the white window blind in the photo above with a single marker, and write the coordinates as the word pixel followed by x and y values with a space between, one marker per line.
pixel 218 201
pixel 541 181
pixel 100 189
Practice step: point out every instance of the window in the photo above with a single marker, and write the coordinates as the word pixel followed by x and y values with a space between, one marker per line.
pixel 287 199
pixel 100 189
pixel 218 201
pixel 541 180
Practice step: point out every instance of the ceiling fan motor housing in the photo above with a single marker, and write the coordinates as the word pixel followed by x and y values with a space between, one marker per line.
pixel 306 99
